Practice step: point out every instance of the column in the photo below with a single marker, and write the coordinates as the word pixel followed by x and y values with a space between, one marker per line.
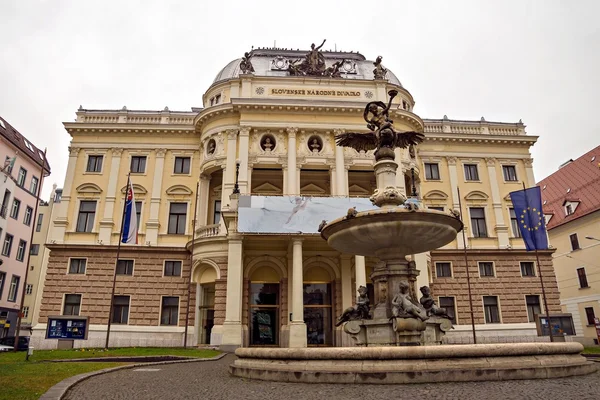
pixel 346 281
pixel 203 200
pixel 243 157
pixel 107 222
pixel 229 171
pixel 455 200
pixel 292 186
pixel 297 326
pixel 61 221
pixel 341 185
pixel 500 228
pixel 360 271
pixel 530 182
pixel 153 221
pixel 332 179
pixel 249 184
pixel 284 167
pixel 232 327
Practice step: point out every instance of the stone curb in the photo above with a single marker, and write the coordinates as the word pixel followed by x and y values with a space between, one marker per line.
pixel 57 391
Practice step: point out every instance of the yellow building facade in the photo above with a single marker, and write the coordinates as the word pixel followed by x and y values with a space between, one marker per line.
pixel 272 133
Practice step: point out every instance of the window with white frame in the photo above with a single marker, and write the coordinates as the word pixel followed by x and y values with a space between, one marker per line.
pixel 138 213
pixel 510 173
pixel 14 210
pixel 581 275
pixel 533 306
pixel 471 172
pixel 77 265
pixel 443 269
pixel 574 242
pixel 34 249
pixel 527 268
pixel 125 267
pixel 7 245
pixel 486 269
pixel 29 288
pixel 120 311
pixel 169 311
pixel 491 309
pixel 177 218
pixel 478 222
pixel 138 164
pixel 172 268
pixel 21 177
pixel 448 304
pixel 28 216
pixel 25 311
pixel 72 304
pixel 38 225
pixel 86 216
pixel 514 223
pixel 432 171
pixel 182 165
pixel 94 163
pixel 14 288
pixel 33 187
pixel 21 250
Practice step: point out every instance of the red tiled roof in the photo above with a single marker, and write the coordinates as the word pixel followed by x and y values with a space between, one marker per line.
pixel 578 181
pixel 19 141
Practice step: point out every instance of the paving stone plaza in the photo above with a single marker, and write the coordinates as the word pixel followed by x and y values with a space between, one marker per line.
pixel 211 380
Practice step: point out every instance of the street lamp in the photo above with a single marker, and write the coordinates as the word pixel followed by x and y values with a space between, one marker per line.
pixel 592 238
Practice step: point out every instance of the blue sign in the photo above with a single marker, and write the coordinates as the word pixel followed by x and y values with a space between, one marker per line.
pixel 67 327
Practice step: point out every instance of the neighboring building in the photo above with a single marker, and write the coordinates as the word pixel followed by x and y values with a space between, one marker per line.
pixel 281 129
pixel 572 208
pixel 38 261
pixel 22 175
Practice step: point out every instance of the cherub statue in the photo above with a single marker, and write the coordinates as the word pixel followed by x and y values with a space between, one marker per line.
pixel 351 213
pixel 359 311
pixel 334 70
pixel 246 64
pixel 405 307
pixel 379 72
pixel 429 305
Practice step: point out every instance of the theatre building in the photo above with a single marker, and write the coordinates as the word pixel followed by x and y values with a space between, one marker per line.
pixel 275 115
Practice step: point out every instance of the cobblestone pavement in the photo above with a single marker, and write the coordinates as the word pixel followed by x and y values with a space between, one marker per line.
pixel 211 380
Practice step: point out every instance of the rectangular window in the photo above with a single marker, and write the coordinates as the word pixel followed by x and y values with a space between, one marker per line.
pixel 7 164
pixel 172 268
pixel 34 250
pixel 29 288
pixel 471 172
pixel 21 250
pixel 486 268
pixel 14 210
pixel 492 313
pixel 85 219
pixel 28 216
pixel 34 185
pixel 527 268
pixel 25 311
pixel 138 213
pixel 77 266
pixel 448 304
pixel 169 312
pixel 478 222
pixel 94 164
pixel 138 164
pixel 14 288
pixel 217 214
pixel 7 245
pixel 510 173
pixel 38 226
pixel 72 304
pixel 5 201
pixel 533 307
pixel 2 280
pixel 583 283
pixel 591 316
pixel 574 242
pixel 443 270
pixel 514 223
pixel 182 165
pixel 21 177
pixel 436 208
pixel 125 267
pixel 432 172
pixel 120 310
pixel 177 216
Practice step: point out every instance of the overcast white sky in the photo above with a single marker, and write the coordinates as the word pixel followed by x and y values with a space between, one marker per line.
pixel 535 60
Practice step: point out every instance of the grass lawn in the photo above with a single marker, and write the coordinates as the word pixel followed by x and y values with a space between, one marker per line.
pixel 20 379
pixel 591 350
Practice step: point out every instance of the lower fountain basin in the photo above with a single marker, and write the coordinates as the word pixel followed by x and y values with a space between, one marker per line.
pixel 422 364
pixel 391 232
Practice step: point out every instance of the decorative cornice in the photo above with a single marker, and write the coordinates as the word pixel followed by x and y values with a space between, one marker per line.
pixel 245 130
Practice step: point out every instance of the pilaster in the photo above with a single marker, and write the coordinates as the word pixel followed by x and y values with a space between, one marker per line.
pixel 291 186
pixel 529 172
pixel 232 327
pixel 107 222
pixel 340 181
pixel 455 198
pixel 229 171
pixel 500 228
pixel 61 221
pixel 153 221
pixel 244 136
pixel 297 326
pixel 346 281
pixel 203 200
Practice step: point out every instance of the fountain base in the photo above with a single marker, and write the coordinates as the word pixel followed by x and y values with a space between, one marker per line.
pixel 420 364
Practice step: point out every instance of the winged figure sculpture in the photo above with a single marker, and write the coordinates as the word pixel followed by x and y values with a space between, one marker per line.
pixel 382 133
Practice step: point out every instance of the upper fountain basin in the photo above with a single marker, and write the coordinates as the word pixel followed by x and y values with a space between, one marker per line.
pixel 391 233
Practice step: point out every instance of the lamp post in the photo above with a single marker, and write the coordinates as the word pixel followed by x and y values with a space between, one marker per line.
pixel 236 187
pixel 414 187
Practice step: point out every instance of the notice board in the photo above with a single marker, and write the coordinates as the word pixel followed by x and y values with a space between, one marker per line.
pixel 71 327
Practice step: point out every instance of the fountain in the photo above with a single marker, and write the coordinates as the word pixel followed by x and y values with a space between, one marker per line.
pixel 400 340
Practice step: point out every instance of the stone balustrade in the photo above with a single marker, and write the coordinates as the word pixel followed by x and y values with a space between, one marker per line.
pixel 208 231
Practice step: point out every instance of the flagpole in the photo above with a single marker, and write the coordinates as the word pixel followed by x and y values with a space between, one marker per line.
pixel 33 224
pixel 537 259
pixel 112 295
pixel 467 267
pixel 187 311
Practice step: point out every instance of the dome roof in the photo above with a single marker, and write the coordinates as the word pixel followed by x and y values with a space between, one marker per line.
pixel 273 62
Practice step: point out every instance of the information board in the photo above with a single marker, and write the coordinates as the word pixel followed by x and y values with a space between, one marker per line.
pixel 71 327
pixel 562 325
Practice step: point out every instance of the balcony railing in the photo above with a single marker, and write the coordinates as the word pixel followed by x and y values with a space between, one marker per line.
pixel 208 231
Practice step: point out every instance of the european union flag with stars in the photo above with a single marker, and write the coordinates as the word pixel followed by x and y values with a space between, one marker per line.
pixel 528 210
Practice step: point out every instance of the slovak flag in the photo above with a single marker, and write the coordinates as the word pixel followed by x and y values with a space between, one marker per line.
pixel 130 218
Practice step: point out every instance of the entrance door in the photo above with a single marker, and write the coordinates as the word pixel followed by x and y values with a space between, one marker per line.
pixel 318 314
pixel 207 312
